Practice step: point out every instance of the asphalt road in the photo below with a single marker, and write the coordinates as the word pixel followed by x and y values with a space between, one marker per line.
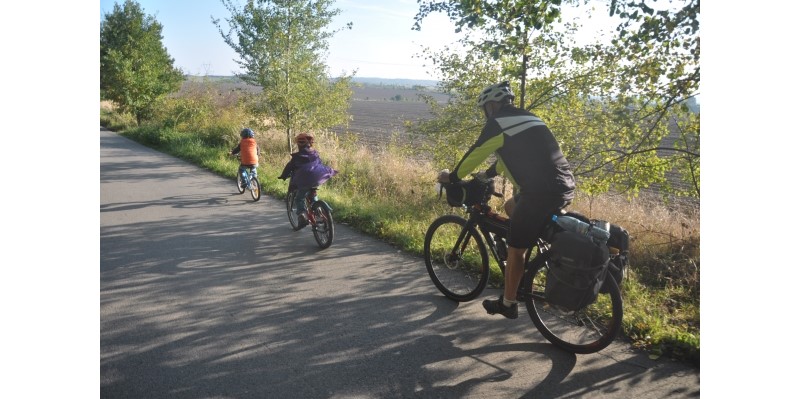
pixel 207 294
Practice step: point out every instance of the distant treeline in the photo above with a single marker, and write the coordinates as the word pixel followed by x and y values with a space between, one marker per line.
pixel 379 82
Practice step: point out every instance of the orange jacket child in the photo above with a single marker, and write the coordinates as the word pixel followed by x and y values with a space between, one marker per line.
pixel 249 151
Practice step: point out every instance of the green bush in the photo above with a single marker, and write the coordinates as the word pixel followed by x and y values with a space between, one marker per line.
pixel 113 120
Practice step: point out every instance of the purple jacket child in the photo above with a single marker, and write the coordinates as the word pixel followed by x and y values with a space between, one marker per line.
pixel 306 170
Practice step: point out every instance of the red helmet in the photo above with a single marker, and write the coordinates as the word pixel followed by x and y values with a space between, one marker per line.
pixel 304 139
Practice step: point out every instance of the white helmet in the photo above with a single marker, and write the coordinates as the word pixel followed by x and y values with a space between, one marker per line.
pixel 495 92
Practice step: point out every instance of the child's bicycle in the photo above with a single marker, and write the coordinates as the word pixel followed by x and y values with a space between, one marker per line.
pixel 248 180
pixel 318 213
pixel 456 257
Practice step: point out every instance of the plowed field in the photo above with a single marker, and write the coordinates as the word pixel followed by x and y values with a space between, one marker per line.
pixel 379 112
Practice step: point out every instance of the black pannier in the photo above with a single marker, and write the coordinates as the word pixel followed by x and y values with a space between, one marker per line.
pixel 618 247
pixel 577 270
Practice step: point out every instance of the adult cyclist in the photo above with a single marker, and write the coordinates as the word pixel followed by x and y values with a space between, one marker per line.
pixel 529 156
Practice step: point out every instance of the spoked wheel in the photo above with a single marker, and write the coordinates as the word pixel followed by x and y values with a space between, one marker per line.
pixel 240 186
pixel 255 188
pixel 323 225
pixel 456 259
pixel 588 330
pixel 291 210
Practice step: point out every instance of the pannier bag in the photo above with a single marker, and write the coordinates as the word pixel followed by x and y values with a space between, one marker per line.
pixel 577 270
pixel 466 192
pixel 618 247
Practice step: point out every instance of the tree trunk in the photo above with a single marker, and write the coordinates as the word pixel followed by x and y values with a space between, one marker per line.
pixel 523 80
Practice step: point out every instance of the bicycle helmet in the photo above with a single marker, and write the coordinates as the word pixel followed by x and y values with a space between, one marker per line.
pixel 246 132
pixel 304 139
pixel 495 92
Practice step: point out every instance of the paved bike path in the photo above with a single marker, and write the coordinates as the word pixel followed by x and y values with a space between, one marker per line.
pixel 207 294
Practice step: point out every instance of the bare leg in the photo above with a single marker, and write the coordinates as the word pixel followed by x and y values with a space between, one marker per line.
pixel 516 257
pixel 509 206
pixel 514 270
pixel 507 305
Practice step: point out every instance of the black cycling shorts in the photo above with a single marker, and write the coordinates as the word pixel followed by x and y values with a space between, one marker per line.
pixel 531 214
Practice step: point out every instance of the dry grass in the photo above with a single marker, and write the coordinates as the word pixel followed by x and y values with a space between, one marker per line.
pixel 379 172
pixel 107 105
pixel 665 241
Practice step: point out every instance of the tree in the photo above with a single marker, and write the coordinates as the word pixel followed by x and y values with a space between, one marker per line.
pixel 281 44
pixel 611 108
pixel 135 69
pixel 661 43
pixel 509 27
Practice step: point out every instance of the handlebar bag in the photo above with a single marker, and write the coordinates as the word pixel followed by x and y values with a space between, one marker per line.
pixel 465 192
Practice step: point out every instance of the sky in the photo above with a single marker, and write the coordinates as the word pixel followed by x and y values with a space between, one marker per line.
pixel 380 44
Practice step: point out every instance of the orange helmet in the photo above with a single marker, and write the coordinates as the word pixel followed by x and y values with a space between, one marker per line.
pixel 304 139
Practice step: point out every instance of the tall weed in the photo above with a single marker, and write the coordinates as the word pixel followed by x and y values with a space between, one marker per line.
pixel 112 119
pixel 216 117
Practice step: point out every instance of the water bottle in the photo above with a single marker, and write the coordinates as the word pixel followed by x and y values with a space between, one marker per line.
pixel 600 231
pixel 597 233
pixel 571 224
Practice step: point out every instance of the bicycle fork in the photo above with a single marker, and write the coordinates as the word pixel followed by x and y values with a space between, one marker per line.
pixel 460 245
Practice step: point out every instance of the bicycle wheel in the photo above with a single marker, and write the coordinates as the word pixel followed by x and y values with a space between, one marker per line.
pixel 291 210
pixel 459 269
pixel 323 225
pixel 255 189
pixel 240 186
pixel 588 330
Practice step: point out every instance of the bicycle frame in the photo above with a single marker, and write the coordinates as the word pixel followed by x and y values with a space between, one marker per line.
pixel 248 176
pixel 318 214
pixel 310 201
pixel 479 217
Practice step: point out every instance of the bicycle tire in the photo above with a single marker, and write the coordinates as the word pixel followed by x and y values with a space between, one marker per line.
pixel 291 210
pixel 459 276
pixel 255 189
pixel 323 226
pixel 587 330
pixel 239 184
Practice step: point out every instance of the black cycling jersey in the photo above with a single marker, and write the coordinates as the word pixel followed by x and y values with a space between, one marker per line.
pixel 527 154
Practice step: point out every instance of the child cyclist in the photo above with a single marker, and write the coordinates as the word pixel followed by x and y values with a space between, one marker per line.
pixel 307 171
pixel 249 154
